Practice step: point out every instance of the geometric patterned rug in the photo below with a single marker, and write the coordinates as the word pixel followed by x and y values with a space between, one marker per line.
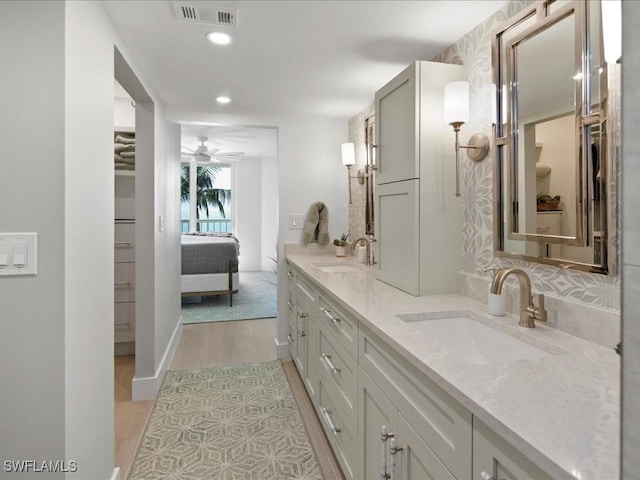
pixel 227 423
pixel 256 298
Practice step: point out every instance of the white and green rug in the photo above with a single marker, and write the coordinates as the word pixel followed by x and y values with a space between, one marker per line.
pixel 227 423
pixel 256 298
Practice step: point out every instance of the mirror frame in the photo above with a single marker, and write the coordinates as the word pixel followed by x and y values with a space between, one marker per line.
pixel 504 58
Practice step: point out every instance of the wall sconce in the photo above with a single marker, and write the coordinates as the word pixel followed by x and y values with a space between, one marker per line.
pixel 348 160
pixel 456 113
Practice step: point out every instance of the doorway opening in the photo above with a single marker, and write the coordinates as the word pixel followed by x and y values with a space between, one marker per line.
pixel 229 194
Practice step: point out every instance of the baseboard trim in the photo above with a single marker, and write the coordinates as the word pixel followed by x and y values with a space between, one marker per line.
pixel 116 473
pixel 281 349
pixel 147 388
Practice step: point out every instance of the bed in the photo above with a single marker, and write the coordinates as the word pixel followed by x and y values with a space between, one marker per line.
pixel 209 264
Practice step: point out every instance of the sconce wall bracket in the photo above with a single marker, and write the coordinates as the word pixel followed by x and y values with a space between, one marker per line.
pixel 477 148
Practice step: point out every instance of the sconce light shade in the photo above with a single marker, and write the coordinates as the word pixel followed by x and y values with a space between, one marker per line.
pixel 612 30
pixel 348 154
pixel 456 102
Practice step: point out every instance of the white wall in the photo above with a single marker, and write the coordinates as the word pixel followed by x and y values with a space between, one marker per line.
pixel 88 236
pixel 56 124
pixel 630 241
pixel 248 212
pixel 269 212
pixel 32 188
pixel 124 114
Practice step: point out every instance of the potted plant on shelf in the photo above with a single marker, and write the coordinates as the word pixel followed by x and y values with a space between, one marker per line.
pixel 341 245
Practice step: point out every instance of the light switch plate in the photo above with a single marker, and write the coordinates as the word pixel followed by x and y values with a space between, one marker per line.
pixel 26 242
pixel 296 222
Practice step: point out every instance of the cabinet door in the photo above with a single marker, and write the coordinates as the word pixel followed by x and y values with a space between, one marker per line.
pixel 397 231
pixel 415 459
pixel 374 411
pixel 494 457
pixel 396 128
pixel 311 341
pixel 292 334
pixel 301 339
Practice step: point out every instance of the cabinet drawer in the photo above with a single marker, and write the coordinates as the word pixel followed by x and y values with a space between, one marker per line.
pixel 497 458
pixel 341 435
pixel 124 282
pixel 340 324
pixel 305 291
pixel 125 236
pixel 124 322
pixel 339 371
pixel 442 423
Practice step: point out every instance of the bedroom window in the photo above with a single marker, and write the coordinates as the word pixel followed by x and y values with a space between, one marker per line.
pixel 205 192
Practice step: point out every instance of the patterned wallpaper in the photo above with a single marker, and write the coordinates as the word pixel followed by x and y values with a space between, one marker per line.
pixel 474 52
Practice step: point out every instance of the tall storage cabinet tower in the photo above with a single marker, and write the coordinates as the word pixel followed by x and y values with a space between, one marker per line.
pixel 419 219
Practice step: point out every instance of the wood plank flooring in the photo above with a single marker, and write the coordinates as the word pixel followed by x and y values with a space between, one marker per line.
pixel 209 345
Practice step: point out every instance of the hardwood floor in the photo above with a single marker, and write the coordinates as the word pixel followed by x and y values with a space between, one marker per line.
pixel 209 345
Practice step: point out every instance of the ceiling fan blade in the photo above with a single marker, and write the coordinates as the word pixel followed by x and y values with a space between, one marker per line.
pixel 187 148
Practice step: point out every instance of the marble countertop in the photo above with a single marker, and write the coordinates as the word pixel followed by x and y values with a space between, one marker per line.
pixel 562 411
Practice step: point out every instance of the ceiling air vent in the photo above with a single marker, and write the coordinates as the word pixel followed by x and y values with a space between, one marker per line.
pixel 206 13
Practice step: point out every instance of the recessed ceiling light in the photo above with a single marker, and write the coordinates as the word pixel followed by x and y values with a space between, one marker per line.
pixel 223 99
pixel 219 38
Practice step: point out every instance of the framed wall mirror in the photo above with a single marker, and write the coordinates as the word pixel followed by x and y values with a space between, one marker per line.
pixel 551 158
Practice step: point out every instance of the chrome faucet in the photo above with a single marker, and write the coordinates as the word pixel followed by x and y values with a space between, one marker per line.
pixel 367 244
pixel 528 311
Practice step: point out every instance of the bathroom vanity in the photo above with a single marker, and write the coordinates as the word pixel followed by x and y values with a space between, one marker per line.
pixel 462 394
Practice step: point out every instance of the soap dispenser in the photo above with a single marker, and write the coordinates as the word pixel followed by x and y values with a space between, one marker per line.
pixel 497 304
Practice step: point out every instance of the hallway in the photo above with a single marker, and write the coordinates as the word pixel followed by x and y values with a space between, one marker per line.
pixel 209 345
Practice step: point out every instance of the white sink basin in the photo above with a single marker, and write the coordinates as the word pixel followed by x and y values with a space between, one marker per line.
pixel 467 339
pixel 338 268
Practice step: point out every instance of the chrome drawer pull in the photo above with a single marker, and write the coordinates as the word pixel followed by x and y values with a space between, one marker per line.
pixel 325 413
pixel 393 458
pixel 332 367
pixel 384 436
pixel 123 244
pixel 290 338
pixel 290 303
pixel 301 333
pixel 301 314
pixel 485 476
pixel 333 319
pixel 122 323
pixel 290 273
pixel 122 284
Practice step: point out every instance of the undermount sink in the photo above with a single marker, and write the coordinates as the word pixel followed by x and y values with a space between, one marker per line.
pixel 462 335
pixel 338 268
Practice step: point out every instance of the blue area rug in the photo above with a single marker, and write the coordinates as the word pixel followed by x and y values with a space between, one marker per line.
pixel 256 298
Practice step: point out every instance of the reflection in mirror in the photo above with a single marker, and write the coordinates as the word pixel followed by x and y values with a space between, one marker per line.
pixel 551 159
pixel 545 187
pixel 370 143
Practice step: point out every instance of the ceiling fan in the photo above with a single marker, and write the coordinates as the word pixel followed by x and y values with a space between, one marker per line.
pixel 203 154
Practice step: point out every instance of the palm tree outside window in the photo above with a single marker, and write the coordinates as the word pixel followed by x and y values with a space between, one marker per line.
pixel 212 199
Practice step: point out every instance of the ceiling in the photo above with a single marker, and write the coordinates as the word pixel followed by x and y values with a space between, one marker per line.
pixel 321 58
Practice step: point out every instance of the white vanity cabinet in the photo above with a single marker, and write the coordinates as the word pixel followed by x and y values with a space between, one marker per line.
pixel 303 329
pixel 493 457
pixel 358 383
pixel 338 381
pixel 418 215
pixel 433 430
pixel 413 457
